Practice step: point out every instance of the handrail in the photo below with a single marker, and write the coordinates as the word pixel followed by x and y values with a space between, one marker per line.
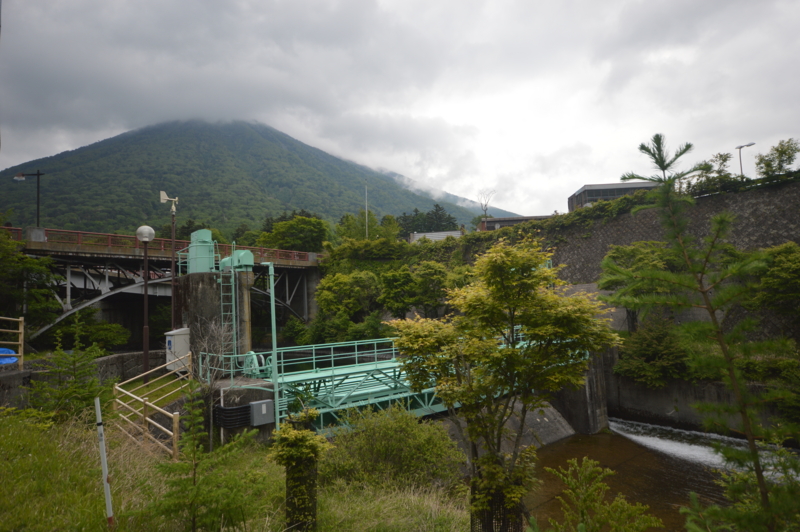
pixel 145 421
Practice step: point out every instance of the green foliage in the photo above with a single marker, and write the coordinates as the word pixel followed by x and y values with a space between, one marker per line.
pixel 355 227
pixel 397 291
pixel 745 511
pixel 299 234
pixel 653 355
pixel 423 287
pixel 25 283
pixel 202 491
pixel 645 255
pixel 779 289
pixel 355 294
pixel 69 384
pixel 270 221
pixel 714 177
pixel 584 502
pixel 436 219
pixel 779 159
pixel 86 329
pixel 299 451
pixel 392 448
pixel 517 340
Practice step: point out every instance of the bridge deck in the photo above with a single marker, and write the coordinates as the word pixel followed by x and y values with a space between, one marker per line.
pixel 58 242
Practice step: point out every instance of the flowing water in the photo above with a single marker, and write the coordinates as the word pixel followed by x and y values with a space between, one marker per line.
pixel 656 466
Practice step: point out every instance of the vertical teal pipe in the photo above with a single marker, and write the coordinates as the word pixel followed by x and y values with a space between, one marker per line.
pixel 275 384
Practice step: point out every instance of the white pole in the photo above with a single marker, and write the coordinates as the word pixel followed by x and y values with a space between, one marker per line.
pixel 366 211
pixel 103 463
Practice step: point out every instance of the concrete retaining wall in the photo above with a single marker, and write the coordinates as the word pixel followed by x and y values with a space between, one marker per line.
pixel 671 405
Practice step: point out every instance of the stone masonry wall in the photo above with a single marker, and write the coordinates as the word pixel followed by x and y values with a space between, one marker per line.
pixel 765 217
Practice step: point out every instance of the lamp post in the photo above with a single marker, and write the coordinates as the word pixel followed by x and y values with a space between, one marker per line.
pixel 21 177
pixel 164 199
pixel 145 234
pixel 741 171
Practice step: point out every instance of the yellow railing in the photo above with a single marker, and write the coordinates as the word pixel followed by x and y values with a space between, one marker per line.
pixel 20 343
pixel 135 412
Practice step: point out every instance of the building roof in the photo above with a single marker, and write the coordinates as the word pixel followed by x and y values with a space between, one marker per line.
pixel 621 184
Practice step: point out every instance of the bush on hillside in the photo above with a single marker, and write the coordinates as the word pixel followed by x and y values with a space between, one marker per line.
pixel 392 447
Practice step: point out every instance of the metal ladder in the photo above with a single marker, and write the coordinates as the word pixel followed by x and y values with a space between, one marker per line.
pixel 229 344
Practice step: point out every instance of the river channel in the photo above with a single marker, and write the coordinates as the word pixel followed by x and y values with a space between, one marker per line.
pixel 656 466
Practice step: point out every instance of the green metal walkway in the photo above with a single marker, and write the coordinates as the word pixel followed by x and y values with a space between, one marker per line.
pixel 328 377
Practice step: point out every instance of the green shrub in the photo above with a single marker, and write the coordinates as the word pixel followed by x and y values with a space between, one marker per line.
pixel 653 354
pixel 586 507
pixel 392 447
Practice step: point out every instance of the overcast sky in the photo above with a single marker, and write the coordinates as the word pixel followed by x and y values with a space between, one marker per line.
pixel 533 99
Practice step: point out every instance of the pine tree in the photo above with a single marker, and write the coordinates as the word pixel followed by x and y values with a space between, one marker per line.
pixel 203 493
pixel 70 383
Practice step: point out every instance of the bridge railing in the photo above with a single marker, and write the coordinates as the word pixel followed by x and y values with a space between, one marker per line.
pixel 14 232
pixel 298 359
pixel 85 238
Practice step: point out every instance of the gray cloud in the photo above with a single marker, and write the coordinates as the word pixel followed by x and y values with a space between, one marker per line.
pixel 538 97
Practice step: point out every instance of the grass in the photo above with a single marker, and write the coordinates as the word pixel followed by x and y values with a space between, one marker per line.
pixel 50 479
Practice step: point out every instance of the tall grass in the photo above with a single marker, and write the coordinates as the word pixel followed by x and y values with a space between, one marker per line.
pixel 50 480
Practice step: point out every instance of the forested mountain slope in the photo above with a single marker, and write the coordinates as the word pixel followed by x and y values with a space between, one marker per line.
pixel 223 173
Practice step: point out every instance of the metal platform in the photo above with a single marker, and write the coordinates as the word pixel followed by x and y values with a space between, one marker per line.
pixel 328 377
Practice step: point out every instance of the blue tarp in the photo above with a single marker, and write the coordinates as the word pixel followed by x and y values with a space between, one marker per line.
pixel 7 360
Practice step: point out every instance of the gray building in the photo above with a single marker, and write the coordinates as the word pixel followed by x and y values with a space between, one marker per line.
pixel 589 194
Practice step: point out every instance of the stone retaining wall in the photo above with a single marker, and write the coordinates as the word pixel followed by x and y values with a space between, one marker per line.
pixel 765 217
pixel 120 366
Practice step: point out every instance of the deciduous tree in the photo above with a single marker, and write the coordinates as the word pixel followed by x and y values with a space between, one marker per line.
pixel 517 340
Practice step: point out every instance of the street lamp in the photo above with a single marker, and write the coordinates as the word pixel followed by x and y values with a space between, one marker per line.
pixel 741 172
pixel 145 234
pixel 164 199
pixel 21 177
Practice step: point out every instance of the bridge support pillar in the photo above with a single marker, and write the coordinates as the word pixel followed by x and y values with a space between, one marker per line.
pixel 68 301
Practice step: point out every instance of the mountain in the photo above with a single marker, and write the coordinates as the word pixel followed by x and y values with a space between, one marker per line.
pixel 223 174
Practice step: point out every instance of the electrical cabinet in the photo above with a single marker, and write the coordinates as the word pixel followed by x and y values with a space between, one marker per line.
pixel 177 346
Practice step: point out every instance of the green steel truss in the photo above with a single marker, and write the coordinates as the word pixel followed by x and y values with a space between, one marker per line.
pixel 328 377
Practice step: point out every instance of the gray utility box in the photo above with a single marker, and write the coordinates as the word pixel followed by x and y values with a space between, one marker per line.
pixel 262 412
pixel 177 346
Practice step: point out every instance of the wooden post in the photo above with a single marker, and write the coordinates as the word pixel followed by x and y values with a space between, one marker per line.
pixel 21 343
pixel 144 417
pixel 114 402
pixel 176 434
